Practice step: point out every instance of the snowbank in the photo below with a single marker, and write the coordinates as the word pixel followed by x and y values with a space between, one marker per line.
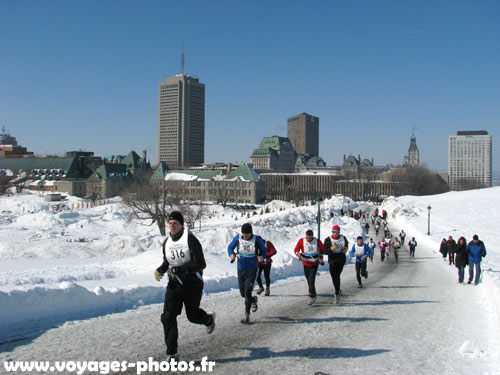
pixel 59 265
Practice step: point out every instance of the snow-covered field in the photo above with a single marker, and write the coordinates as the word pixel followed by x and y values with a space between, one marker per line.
pixel 457 214
pixel 85 262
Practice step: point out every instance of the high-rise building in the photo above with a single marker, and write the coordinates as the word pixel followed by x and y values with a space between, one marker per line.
pixel 181 122
pixel 303 133
pixel 469 159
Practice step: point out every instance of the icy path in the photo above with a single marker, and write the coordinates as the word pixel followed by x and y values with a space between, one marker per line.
pixel 410 317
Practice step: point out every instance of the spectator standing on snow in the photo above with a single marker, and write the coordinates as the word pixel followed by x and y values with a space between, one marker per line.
pixel 451 244
pixel 336 247
pixel 310 251
pixel 184 261
pixel 412 244
pixel 443 248
pixel 461 258
pixel 362 252
pixel 265 266
pixel 476 251
pixel 249 249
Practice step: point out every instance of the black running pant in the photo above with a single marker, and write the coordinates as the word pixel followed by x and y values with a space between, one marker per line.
pixel 175 297
pixel 246 279
pixel 310 273
pixel 335 271
pixel 267 274
pixel 360 271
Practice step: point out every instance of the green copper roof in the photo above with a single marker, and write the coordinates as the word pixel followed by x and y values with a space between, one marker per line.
pixel 264 152
pixel 160 172
pixel 134 161
pixel 245 172
pixel 273 142
pixel 110 171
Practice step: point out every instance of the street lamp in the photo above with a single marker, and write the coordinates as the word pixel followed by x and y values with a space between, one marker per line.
pixel 429 220
pixel 318 200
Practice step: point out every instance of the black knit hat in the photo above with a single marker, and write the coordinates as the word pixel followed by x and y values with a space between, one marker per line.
pixel 176 215
pixel 246 228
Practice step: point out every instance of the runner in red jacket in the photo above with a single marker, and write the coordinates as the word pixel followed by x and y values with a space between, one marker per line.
pixel 310 251
pixel 265 266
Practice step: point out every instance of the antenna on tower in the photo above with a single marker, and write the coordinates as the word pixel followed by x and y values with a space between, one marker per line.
pixel 414 127
pixel 182 58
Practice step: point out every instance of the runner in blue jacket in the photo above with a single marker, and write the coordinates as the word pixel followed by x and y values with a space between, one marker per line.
pixel 362 252
pixel 249 249
pixel 475 251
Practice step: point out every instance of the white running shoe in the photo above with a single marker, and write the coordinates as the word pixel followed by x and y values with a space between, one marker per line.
pixel 254 304
pixel 311 300
pixel 211 326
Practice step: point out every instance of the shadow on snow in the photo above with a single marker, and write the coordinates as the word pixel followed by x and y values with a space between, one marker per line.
pixel 287 320
pixel 309 353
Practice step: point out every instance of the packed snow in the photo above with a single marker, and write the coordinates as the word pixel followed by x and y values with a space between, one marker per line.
pixel 457 214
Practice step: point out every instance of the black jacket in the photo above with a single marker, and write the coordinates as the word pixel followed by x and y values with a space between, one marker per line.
pixel 443 249
pixel 337 258
pixel 188 272
pixel 451 244
pixel 461 259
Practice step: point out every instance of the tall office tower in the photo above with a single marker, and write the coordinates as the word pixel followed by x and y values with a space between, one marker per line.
pixel 181 122
pixel 469 159
pixel 303 133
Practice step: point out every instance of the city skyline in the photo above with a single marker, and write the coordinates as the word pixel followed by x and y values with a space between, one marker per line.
pixel 85 75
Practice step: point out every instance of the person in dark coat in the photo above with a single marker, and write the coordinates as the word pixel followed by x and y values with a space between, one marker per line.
pixel 451 244
pixel 461 258
pixel 184 262
pixel 443 248
pixel 336 247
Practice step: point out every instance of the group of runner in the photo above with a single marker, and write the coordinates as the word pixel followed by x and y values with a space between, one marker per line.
pixel 184 262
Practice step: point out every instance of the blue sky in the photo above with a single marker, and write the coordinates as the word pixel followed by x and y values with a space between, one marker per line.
pixel 85 74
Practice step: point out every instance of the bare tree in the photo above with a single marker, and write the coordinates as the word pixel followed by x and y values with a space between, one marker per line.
pixel 417 180
pixel 5 178
pixel 193 212
pixel 94 191
pixel 223 193
pixel 152 202
pixel 469 184
pixel 20 180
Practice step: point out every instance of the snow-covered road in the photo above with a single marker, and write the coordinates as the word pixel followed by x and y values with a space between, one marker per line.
pixel 403 320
